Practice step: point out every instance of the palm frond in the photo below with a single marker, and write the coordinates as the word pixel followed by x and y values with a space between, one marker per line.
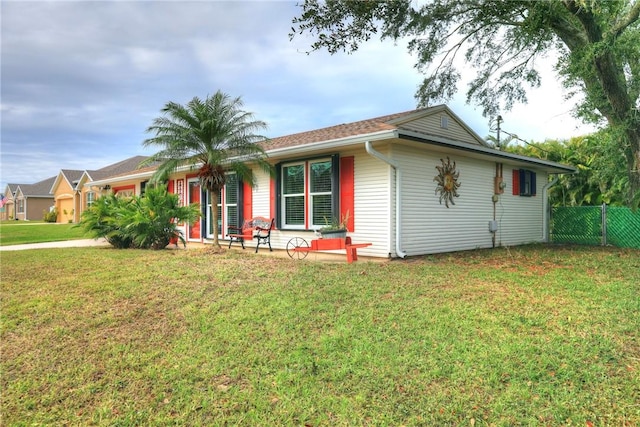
pixel 214 135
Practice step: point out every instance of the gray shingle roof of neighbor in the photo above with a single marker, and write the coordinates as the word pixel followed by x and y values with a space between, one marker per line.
pixel 38 189
pixel 12 187
pixel 124 166
pixel 72 175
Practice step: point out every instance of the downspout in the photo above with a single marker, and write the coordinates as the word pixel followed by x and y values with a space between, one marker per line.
pixel 545 209
pixel 396 169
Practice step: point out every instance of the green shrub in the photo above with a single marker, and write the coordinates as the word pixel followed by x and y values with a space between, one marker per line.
pixel 50 216
pixel 147 222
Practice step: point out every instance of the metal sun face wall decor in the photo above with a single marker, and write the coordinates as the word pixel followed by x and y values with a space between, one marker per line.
pixel 447 182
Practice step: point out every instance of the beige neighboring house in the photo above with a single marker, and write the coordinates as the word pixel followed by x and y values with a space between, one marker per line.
pixel 8 209
pixel 28 202
pixel 73 193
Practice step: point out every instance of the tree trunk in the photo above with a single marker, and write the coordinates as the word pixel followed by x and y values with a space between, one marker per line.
pixel 608 79
pixel 213 197
pixel 633 164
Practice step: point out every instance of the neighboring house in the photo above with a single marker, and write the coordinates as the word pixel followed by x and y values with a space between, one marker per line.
pixel 67 194
pixel 71 194
pixel 411 183
pixel 8 209
pixel 28 201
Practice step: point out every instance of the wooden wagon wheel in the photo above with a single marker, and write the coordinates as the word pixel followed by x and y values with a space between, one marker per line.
pixel 295 243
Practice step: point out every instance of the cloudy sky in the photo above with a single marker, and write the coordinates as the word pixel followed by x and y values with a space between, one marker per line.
pixel 82 80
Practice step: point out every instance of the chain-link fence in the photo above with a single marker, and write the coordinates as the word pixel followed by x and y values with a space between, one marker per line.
pixel 596 225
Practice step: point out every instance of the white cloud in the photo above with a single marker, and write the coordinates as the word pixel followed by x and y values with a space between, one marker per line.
pixel 82 80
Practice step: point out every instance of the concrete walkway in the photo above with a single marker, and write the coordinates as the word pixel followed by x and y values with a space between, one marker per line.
pixel 48 245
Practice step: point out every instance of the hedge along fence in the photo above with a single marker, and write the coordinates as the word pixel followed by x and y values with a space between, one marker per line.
pixel 596 225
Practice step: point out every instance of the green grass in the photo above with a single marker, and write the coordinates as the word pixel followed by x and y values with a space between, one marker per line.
pixel 529 336
pixel 19 232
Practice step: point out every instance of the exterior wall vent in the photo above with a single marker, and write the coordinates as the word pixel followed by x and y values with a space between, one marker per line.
pixel 444 122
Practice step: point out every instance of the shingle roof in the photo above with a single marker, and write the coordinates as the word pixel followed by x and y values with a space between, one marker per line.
pixel 344 130
pixel 336 132
pixel 39 189
pixel 72 175
pixel 12 187
pixel 127 165
pixel 133 172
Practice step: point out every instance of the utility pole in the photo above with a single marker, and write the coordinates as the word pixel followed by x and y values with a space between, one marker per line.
pixel 499 120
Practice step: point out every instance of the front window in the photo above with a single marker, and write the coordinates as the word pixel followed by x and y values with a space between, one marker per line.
pixel 20 207
pixel 320 192
pixel 126 191
pixel 307 193
pixel 228 205
pixel 231 193
pixel 91 197
pixel 293 195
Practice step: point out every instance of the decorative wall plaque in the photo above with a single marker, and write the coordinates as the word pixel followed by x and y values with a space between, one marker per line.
pixel 447 182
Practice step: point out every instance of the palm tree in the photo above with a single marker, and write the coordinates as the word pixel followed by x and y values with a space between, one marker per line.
pixel 215 136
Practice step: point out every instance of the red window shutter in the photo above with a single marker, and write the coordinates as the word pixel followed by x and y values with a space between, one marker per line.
pixel 516 182
pixel 170 187
pixel 347 190
pixel 247 202
pixel 272 198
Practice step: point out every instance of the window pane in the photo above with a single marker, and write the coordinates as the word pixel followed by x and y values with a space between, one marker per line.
pixel 294 210
pixel 293 179
pixel 232 216
pixel 231 189
pixel 321 210
pixel 320 177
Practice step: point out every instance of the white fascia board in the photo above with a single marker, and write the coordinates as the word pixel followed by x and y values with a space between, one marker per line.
pixel 110 181
pixel 549 166
pixel 332 144
pixel 132 176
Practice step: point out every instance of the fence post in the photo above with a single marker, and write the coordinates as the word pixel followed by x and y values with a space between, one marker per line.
pixel 604 224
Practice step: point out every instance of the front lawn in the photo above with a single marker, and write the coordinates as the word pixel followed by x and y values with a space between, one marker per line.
pixel 523 336
pixel 19 232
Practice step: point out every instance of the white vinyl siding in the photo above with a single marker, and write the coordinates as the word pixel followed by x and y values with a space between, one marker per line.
pixel 261 193
pixel 431 227
pixel 373 211
pixel 520 218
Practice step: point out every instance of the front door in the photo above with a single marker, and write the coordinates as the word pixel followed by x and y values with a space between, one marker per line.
pixel 194 197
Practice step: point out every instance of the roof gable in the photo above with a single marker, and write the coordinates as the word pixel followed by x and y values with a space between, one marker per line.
pixel 71 176
pixel 439 122
pixel 10 189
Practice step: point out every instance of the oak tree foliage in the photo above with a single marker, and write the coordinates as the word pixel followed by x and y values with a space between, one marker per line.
pixel 595 46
